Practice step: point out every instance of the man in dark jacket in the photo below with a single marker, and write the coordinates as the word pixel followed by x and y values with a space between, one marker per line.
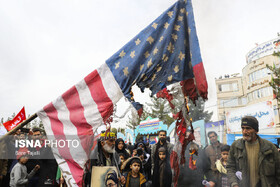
pixel 213 153
pixel 161 143
pixel 257 159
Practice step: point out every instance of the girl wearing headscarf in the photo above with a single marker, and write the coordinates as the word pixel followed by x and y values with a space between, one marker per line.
pixel 120 147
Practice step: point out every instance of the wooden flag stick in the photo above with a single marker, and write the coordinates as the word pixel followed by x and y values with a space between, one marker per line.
pixel 61 184
pixel 22 124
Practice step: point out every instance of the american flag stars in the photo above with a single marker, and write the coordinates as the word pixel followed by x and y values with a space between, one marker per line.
pixel 176 69
pixel 170 14
pixel 132 54
pixel 180 18
pixel 117 65
pixel 137 42
pixel 155 51
pixel 181 55
pixel 182 10
pixel 147 54
pixel 122 54
pixel 150 63
pixel 141 67
pixel 150 39
pixel 170 47
pixel 165 58
pixel 166 25
pixel 155 25
pixel 153 77
pixel 177 27
pixel 125 71
pixel 170 78
pixel 174 37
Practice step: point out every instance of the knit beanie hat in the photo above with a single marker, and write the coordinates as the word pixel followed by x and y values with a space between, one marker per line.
pixel 161 149
pixel 250 121
pixel 22 152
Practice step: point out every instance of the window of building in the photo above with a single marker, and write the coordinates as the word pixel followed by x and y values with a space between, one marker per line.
pixel 262 92
pixel 259 74
pixel 233 102
pixel 229 102
pixel 250 97
pixel 234 86
pixel 244 101
pixel 228 87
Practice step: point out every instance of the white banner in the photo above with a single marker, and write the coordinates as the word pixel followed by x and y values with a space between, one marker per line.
pixel 264 49
pixel 262 111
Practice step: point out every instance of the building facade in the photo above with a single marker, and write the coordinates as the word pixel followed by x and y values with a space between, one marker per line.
pixel 238 94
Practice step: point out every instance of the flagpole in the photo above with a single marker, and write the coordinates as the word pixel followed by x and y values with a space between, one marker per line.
pixel 22 124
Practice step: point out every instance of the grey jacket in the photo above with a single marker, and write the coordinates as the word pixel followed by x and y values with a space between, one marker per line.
pixel 19 176
pixel 269 164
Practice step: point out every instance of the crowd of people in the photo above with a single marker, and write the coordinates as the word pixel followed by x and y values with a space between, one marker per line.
pixel 139 165
pixel 248 162
pixel 20 168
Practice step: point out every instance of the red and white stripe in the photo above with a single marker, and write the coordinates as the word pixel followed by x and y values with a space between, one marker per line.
pixel 78 113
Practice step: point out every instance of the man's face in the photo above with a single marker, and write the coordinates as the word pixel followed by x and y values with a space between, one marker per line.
pixel 22 136
pixel 23 159
pixel 109 145
pixel 135 167
pixel 120 145
pixel 161 155
pixel 213 138
pixel 249 134
pixel 162 135
pixel 37 135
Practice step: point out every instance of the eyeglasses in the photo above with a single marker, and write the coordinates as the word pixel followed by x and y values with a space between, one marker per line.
pixel 224 153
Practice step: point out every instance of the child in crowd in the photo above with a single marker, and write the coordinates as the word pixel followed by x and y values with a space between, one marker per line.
pixel 221 167
pixel 162 176
pixel 134 177
pixel 19 176
pixel 122 159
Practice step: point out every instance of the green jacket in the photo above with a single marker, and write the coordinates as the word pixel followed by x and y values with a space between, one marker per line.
pixel 269 164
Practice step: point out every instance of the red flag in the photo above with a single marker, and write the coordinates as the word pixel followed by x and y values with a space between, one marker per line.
pixel 9 125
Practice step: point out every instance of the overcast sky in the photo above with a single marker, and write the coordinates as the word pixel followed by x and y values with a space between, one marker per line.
pixel 48 46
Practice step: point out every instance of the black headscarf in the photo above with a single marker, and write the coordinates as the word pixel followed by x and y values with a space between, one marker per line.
pixel 123 151
pixel 167 180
